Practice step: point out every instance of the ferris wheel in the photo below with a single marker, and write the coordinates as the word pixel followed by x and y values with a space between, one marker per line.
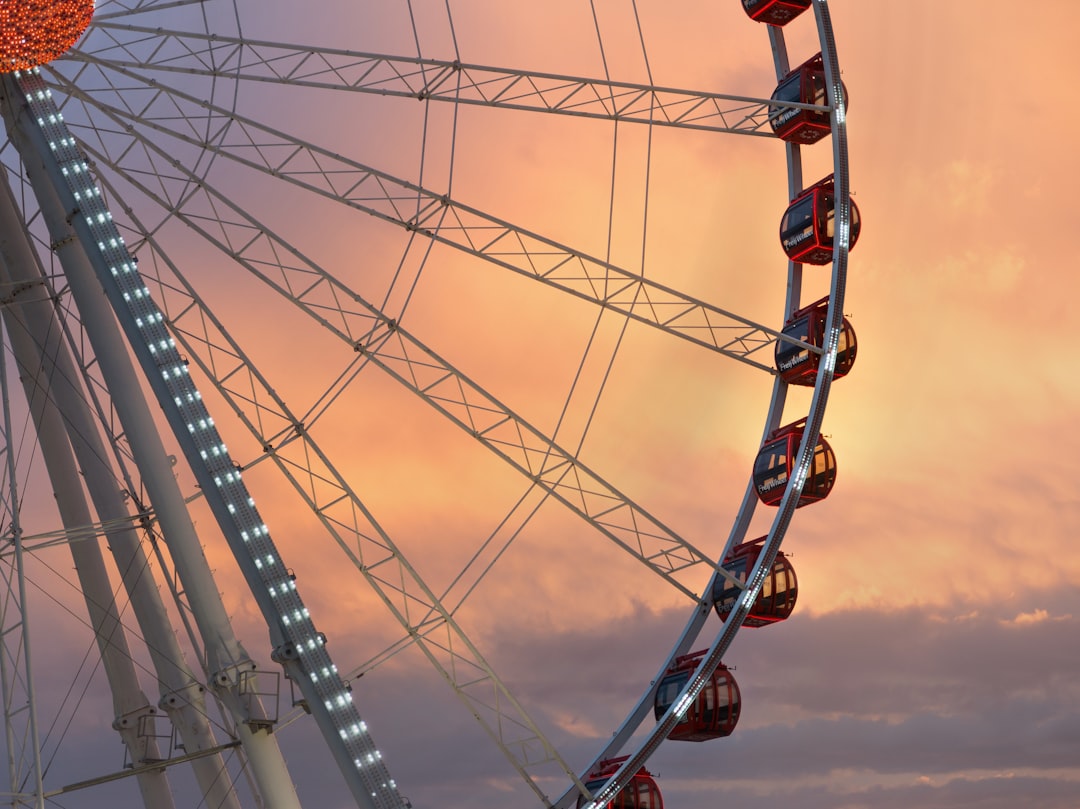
pixel 409 336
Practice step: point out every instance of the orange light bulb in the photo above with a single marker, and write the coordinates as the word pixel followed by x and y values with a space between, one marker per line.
pixel 33 32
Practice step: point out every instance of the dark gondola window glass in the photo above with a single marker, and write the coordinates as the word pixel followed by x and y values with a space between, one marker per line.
pixel 797 226
pixel 819 90
pixel 670 688
pixel 730 593
pixel 790 356
pixel 771 467
pixel 648 796
pixel 789 91
pixel 827 219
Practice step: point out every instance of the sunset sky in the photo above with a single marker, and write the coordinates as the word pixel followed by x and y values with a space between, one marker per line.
pixel 932 659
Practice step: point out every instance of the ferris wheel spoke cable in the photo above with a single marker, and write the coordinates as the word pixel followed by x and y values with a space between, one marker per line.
pixel 465 228
pixel 326 492
pixel 387 333
pixel 441 80
pixel 438 383
pixel 109 9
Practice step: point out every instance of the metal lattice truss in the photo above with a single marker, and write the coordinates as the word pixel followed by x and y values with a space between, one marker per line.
pixel 419 210
pixel 434 79
pixel 374 338
pixel 113 9
pixel 365 330
pixel 141 109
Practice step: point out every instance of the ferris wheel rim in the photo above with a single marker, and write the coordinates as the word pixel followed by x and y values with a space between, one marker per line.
pixel 719 646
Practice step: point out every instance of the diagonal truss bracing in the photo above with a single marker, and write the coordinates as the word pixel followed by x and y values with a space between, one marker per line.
pixel 307 467
pixel 375 338
pixel 438 217
pixel 433 79
pixel 369 332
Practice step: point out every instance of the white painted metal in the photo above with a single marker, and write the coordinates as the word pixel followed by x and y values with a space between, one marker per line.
pixel 383 342
pixel 59 403
pixel 134 715
pixel 16 666
pixel 228 661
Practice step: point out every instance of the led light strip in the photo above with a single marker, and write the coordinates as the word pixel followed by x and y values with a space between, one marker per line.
pixel 297 644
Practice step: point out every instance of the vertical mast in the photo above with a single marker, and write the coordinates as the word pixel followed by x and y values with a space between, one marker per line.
pixel 94 257
pixel 22 640
pixel 60 408
pixel 231 668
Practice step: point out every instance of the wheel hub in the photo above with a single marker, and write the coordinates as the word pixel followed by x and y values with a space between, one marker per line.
pixel 33 32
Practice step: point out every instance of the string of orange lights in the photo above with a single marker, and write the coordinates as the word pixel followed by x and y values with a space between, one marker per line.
pixel 33 32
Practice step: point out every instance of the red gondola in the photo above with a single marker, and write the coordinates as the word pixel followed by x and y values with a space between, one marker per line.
pixel 715 711
pixel 807 229
pixel 775 12
pixel 640 793
pixel 776 461
pixel 797 364
pixel 803 85
pixel 776 600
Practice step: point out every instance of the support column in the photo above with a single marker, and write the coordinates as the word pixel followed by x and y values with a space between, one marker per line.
pixel 226 658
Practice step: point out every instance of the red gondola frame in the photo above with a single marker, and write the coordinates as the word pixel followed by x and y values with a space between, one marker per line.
pixel 775 12
pixel 776 461
pixel 795 124
pixel 797 364
pixel 714 712
pixel 779 591
pixel 806 229
pixel 641 793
